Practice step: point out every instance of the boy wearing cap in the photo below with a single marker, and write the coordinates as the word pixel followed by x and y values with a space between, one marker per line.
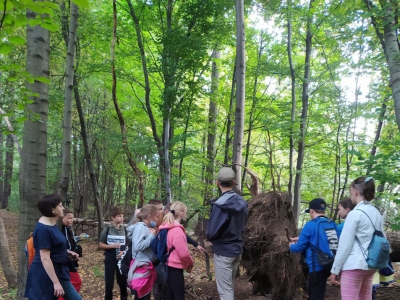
pixel 322 232
pixel 225 227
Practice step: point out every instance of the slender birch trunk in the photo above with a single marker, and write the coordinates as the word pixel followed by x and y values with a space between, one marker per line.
pixel 211 132
pixel 392 51
pixel 293 91
pixel 229 119
pixel 240 92
pixel 303 118
pixel 67 118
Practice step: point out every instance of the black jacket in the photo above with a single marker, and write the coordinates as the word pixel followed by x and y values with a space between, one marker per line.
pixel 69 234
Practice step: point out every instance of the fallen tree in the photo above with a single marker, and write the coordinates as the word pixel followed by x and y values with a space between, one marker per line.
pixel 394 239
pixel 266 256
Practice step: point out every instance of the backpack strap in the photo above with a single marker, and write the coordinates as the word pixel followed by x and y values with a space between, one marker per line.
pixel 324 220
pixel 107 230
pixel 358 241
pixel 313 248
pixel 368 218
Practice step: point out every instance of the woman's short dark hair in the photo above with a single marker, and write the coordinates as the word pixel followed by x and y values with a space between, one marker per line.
pixel 48 203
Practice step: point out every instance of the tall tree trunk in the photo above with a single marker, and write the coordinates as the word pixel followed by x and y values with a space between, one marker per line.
pixel 149 110
pixel 392 51
pixel 1 166
pixel 128 153
pixel 77 207
pixel 5 257
pixel 303 119
pixel 229 119
pixel 169 66
pixel 377 134
pixel 336 175
pixel 180 169
pixel 167 164
pixel 89 164
pixel 11 129
pixel 9 163
pixel 251 114
pixel 240 92
pixel 67 118
pixel 32 175
pixel 293 90
pixel 211 132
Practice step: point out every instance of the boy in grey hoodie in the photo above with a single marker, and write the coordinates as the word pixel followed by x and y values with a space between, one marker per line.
pixel 113 241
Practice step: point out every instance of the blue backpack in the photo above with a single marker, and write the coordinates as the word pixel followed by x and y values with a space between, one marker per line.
pixel 330 238
pixel 159 246
pixel 378 249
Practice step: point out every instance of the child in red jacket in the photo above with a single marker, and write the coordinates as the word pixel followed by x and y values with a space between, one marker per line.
pixel 180 258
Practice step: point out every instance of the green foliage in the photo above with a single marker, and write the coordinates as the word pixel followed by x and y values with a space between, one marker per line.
pixel 82 3
pixel 340 127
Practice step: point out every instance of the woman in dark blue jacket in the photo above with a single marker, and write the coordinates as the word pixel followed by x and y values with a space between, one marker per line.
pixel 48 275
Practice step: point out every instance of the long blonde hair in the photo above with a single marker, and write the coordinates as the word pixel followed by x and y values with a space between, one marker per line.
pixel 176 208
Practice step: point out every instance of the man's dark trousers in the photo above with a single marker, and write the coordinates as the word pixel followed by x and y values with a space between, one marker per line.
pixel 317 284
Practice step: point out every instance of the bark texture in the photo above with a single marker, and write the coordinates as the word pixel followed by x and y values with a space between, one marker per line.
pixel 5 257
pixel 240 92
pixel 32 176
pixel 392 51
pixel 8 170
pixel 67 119
pixel 303 118
pixel 121 120
pixel 293 115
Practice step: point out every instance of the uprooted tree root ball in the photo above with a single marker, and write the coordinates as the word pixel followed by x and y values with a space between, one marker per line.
pixel 266 257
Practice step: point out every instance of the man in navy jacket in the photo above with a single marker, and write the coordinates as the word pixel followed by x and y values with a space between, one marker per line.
pixel 224 230
pixel 320 233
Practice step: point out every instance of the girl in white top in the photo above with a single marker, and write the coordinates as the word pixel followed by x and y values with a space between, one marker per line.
pixel 350 260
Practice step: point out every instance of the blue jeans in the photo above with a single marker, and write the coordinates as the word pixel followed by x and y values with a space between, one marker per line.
pixel 70 292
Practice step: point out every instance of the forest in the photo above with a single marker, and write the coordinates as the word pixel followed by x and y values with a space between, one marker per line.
pixel 114 103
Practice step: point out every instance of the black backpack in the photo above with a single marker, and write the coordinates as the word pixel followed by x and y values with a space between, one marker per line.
pixel 125 262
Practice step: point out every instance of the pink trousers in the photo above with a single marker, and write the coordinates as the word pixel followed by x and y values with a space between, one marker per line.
pixel 356 284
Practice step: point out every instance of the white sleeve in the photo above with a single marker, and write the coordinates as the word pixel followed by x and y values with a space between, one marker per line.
pixel 346 241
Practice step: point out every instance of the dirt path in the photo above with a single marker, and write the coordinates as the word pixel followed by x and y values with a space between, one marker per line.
pixel 199 288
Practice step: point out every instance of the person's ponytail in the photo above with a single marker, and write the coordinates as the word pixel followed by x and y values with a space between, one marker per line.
pixel 369 189
pixel 175 209
pixel 365 186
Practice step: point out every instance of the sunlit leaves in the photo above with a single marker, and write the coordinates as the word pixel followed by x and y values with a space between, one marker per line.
pixel 5 48
pixel 82 3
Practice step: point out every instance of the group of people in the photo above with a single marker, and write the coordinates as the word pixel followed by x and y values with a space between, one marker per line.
pixel 348 242
pixel 53 272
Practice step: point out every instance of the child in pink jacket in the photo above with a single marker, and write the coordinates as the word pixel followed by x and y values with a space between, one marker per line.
pixel 180 258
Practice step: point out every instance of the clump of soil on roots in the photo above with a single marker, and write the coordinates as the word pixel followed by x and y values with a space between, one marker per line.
pixel 266 257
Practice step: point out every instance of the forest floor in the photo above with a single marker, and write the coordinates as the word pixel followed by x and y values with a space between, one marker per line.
pixel 198 285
